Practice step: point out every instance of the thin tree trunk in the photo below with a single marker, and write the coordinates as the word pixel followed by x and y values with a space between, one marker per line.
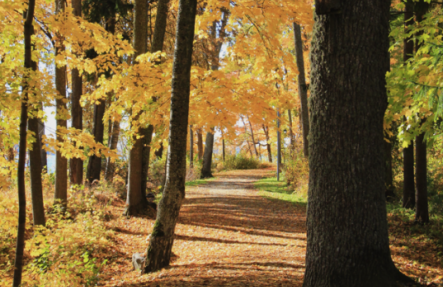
pixel 253 139
pixel 291 133
pixel 347 238
pixel 302 88
pixel 20 243
pixel 278 147
pixel 38 208
pixel 421 205
pixel 95 162
pixel 76 164
pixel 223 144
pixel 110 166
pixel 207 156
pixel 199 144
pixel 162 237
pixel 141 149
pixel 408 152
pixel 135 201
pixel 268 145
pixel 191 147
pixel 61 163
pixel 41 133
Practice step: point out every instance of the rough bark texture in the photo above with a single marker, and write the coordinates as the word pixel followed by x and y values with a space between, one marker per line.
pixel 162 237
pixel 200 144
pixel 389 178
pixel 146 156
pixel 207 156
pixel 191 147
pixel 20 243
pixel 347 240
pixel 38 208
pixel 61 163
pixel 302 88
pixel 135 201
pixel 110 166
pixel 95 162
pixel 421 202
pixel 76 164
pixel 408 153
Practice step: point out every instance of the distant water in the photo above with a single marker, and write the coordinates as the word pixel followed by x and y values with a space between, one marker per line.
pixel 51 162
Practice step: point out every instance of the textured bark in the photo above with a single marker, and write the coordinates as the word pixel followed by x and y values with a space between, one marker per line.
pixel 191 147
pixel 76 164
pixel 162 237
pixel 268 144
pixel 207 156
pixel 113 142
pixel 146 155
pixel 95 162
pixel 408 153
pixel 135 201
pixel 389 178
pixel 61 163
pixel 38 208
pixel 20 243
pixel 302 88
pixel 200 144
pixel 421 207
pixel 421 202
pixel 347 232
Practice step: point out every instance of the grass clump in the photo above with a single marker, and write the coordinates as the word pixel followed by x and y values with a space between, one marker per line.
pixel 279 190
pixel 240 161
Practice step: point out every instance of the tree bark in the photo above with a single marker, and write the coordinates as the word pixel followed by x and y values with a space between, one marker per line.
pixel 199 144
pixel 191 147
pixel 141 149
pixel 268 145
pixel 223 149
pixel 347 240
pixel 207 156
pixel 95 162
pixel 302 88
pixel 389 179
pixel 291 133
pixel 110 166
pixel 20 243
pixel 408 152
pixel 421 206
pixel 162 237
pixel 61 163
pixel 278 147
pixel 76 164
pixel 38 208
pixel 41 133
pixel 253 139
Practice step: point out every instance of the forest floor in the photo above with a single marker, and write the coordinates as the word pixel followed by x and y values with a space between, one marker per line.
pixel 230 233
pixel 227 234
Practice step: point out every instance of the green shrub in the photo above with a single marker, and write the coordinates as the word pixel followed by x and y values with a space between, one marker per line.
pixel 240 161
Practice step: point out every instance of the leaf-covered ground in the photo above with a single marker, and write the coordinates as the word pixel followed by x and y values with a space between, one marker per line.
pixel 229 234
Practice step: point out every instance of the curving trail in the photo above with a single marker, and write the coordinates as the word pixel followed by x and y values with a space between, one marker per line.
pixel 227 234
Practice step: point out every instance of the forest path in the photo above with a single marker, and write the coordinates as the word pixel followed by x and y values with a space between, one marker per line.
pixel 227 234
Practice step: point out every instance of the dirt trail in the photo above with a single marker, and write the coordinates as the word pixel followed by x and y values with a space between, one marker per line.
pixel 227 234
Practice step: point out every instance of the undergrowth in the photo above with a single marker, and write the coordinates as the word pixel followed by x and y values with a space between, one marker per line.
pixel 273 189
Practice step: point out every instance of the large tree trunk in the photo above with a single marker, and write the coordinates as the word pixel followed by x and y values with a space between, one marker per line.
pixel 408 152
pixel 199 144
pixel 76 164
pixel 207 156
pixel 20 243
pixel 140 152
pixel 347 241
pixel 38 208
pixel 421 206
pixel 302 88
pixel 389 178
pixel 61 163
pixel 113 142
pixel 162 237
